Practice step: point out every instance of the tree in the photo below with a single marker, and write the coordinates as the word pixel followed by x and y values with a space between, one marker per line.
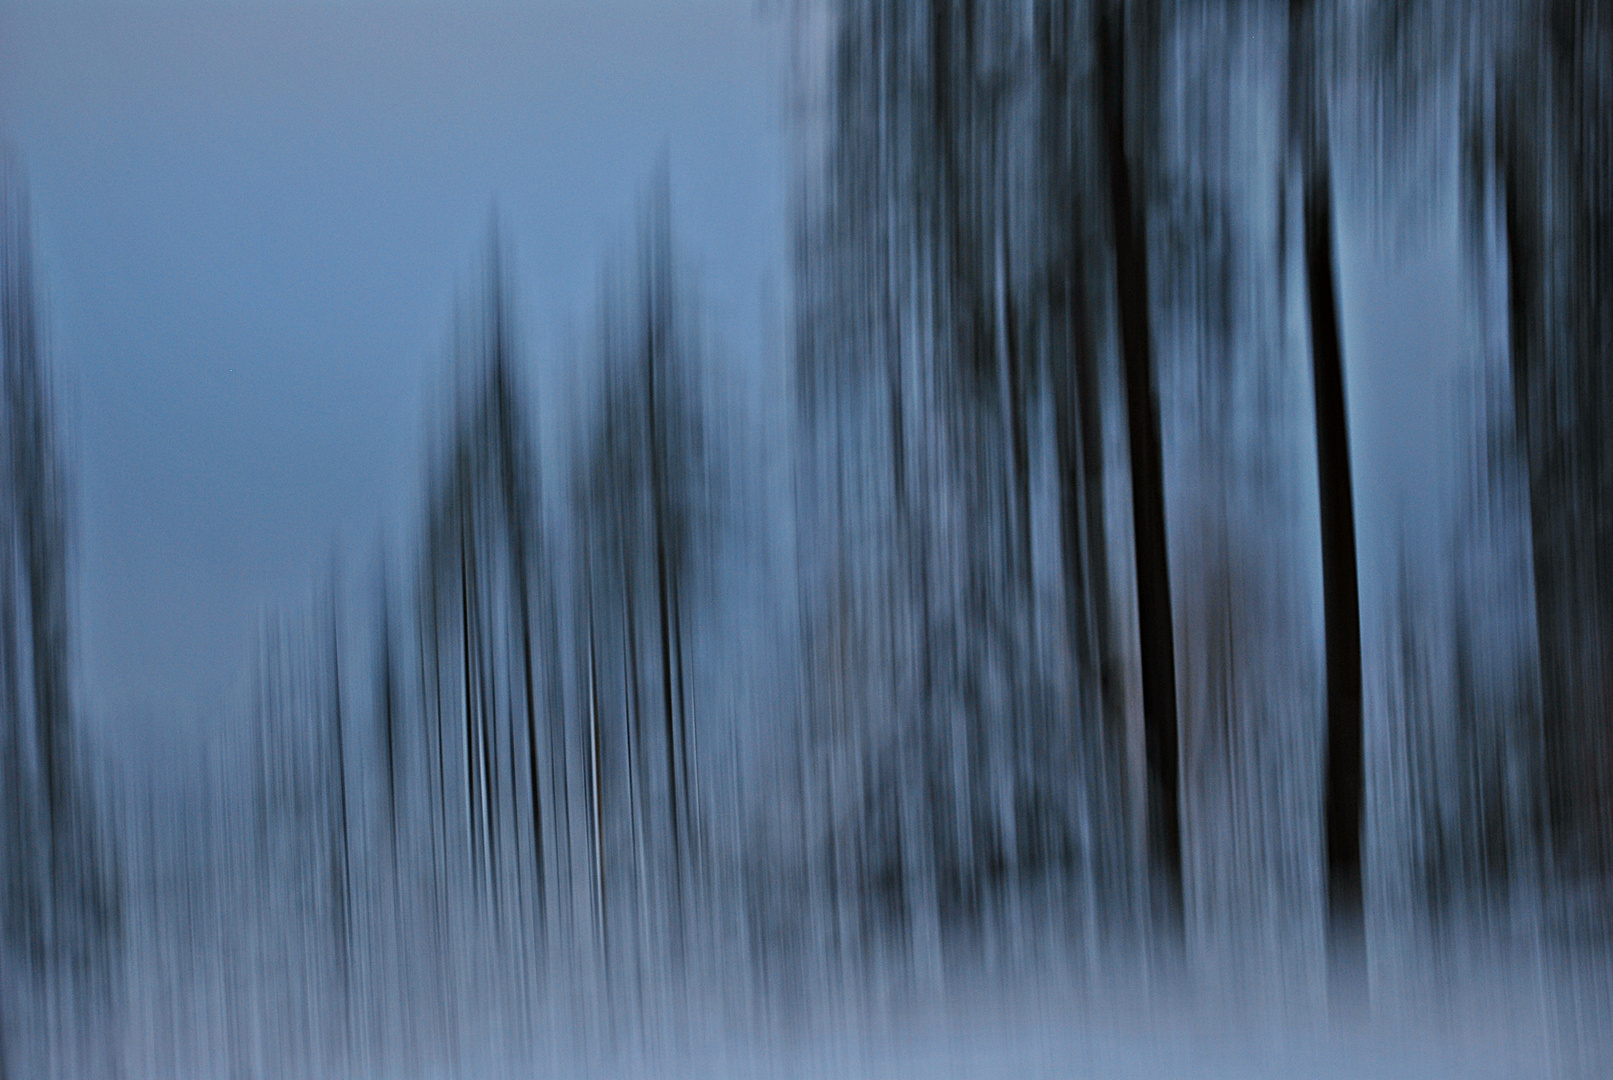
pixel 490 626
pixel 61 913
pixel 1551 141
pixel 643 494
pixel 1067 310
pixel 1344 770
pixel 1129 234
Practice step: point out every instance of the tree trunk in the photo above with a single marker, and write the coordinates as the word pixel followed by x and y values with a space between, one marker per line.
pixel 1156 643
pixel 1343 771
pixel 1078 441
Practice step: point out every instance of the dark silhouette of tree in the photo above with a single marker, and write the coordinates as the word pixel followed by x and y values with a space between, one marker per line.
pixel 388 706
pixel 341 831
pixel 1344 769
pixel 1129 233
pixel 1067 139
pixel 61 911
pixel 490 630
pixel 1552 137
pixel 643 491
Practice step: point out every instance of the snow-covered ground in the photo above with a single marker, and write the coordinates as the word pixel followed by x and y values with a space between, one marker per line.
pixel 1498 1030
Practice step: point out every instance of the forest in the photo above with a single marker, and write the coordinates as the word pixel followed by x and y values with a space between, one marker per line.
pixel 1018 655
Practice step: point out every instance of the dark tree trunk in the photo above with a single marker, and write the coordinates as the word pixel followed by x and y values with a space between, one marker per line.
pixel 513 493
pixel 389 730
pixel 663 589
pixel 341 876
pixel 596 785
pixel 523 605
pixel 657 345
pixel 1345 775
pixel 1071 366
pixel 1555 190
pixel 1343 769
pixel 1157 646
pixel 1519 229
pixel 470 722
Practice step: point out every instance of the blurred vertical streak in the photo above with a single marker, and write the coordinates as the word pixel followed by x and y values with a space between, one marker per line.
pixel 465 693
pixel 61 916
pixel 1555 118
pixel 341 829
pixel 596 783
pixel 1344 777
pixel 658 339
pixel 1065 136
pixel 387 708
pixel 1130 237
